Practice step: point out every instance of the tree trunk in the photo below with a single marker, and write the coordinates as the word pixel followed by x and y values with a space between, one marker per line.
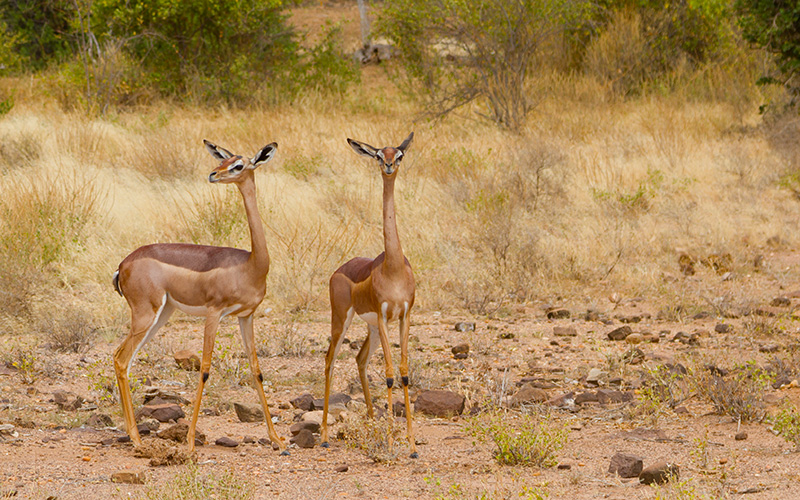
pixel 362 12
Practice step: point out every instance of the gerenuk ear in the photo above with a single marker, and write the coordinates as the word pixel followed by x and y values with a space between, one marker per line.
pixel 363 149
pixel 406 143
pixel 216 151
pixel 265 155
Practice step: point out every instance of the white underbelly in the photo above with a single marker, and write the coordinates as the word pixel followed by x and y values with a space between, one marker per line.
pixel 370 317
pixel 202 310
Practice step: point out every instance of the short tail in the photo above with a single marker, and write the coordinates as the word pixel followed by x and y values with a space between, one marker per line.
pixel 115 281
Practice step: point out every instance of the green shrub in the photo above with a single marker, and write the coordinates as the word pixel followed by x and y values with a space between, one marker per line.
pixel 533 442
pixel 787 424
pixel 774 26
pixel 460 51
pixel 200 50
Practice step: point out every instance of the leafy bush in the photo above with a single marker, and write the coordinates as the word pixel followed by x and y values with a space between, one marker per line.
pixel 460 51
pixel 643 42
pixel 199 49
pixel 787 424
pixel 37 30
pixel 739 395
pixel 534 442
pixel 774 26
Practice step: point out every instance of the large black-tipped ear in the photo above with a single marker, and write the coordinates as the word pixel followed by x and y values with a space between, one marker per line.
pixel 363 149
pixel 406 143
pixel 216 151
pixel 265 155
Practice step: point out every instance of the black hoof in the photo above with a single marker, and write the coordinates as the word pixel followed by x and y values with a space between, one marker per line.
pixel 415 455
pixel 285 453
pixel 325 445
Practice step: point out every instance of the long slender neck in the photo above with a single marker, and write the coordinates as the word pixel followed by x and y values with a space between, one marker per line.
pixel 259 256
pixel 393 259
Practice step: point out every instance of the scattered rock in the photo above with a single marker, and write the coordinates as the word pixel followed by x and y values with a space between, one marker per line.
pixel 659 473
pixel 162 412
pixel 128 477
pixel 528 394
pixel 723 328
pixel 342 468
pixel 67 400
pixel 248 413
pixel 682 410
pixel 565 331
pixel 461 351
pixel 606 396
pixel 595 376
pixel 686 263
pixel 586 397
pixel 299 426
pixel 625 465
pixel 339 398
pixel 227 442
pixel 177 433
pixel 316 417
pixel 187 360
pixel 99 420
pixel 464 326
pixel 564 466
pixel 303 402
pixel 563 401
pixel 304 439
pixel 634 338
pixel 158 395
pixel 740 436
pixel 506 335
pixel 558 313
pixel 620 333
pixel 150 424
pixel 781 302
pixel 630 319
pixel 440 403
pixel 399 409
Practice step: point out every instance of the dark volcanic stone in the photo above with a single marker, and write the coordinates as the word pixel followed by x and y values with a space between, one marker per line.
pixel 303 402
pixel 304 439
pixel 440 403
pixel 625 465
pixel 620 333
pixel 162 413
pixel 248 413
pixel 227 442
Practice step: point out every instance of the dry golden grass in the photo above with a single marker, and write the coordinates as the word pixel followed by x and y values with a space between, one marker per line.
pixel 594 194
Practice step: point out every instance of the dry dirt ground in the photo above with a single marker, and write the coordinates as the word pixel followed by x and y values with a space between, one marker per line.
pixel 48 456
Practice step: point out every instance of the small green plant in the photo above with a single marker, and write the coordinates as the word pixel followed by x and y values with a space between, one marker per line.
pixel 739 395
pixel 101 380
pixel 6 105
pixel 191 484
pixel 67 330
pixel 701 455
pixel 302 167
pixel 787 424
pixel 24 359
pixel 533 442
pixel 376 438
pixel 677 490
